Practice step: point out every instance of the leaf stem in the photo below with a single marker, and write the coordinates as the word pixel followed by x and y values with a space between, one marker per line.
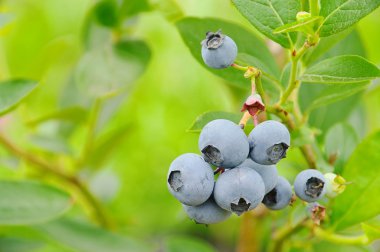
pixel 58 172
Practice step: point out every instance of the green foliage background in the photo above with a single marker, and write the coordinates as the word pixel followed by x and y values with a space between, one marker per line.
pixel 141 129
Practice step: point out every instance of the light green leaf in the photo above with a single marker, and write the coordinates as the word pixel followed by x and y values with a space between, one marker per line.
pixel 87 238
pixel 340 140
pixel 73 114
pixel 341 69
pixel 27 202
pixel 187 244
pixel 302 25
pixel 267 15
pixel 111 68
pixel 360 201
pixel 341 14
pixel 12 92
pixel 193 31
pixel 334 93
pixel 207 117
pixel 372 232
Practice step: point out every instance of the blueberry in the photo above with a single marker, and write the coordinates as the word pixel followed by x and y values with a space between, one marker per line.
pixel 280 196
pixel 267 172
pixel 269 142
pixel 239 190
pixel 309 185
pixel 218 50
pixel 190 179
pixel 223 143
pixel 207 213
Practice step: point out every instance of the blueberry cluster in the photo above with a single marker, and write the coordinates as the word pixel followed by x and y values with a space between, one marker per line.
pixel 250 176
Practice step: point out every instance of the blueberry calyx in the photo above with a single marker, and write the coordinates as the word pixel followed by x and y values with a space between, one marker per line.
pixel 314 187
pixel 240 207
pixel 212 155
pixel 213 39
pixel 277 152
pixel 271 198
pixel 175 180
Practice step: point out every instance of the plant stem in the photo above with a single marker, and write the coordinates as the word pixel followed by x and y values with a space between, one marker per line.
pixel 314 7
pixel 284 233
pixel 259 87
pixel 340 239
pixel 58 172
pixel 91 132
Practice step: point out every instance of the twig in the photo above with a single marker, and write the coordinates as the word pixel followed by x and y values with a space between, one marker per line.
pixel 58 172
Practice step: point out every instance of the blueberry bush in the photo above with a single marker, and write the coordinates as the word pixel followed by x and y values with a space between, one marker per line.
pixel 166 125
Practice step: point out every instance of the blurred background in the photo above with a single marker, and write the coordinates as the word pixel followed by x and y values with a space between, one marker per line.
pixel 151 90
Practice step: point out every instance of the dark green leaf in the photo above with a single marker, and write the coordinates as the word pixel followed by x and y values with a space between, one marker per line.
pixel 106 14
pixel 13 244
pixel 334 93
pixel 304 25
pixel 87 238
pixel 341 69
pixel 341 14
pixel 267 15
pixel 324 117
pixel 361 200
pixel 250 47
pixel 26 202
pixel 187 244
pixel 340 141
pixel 207 117
pixel 12 92
pixel 133 7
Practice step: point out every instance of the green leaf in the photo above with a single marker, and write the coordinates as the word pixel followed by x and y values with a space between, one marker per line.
pixel 87 238
pixel 132 7
pixel 207 117
pixel 267 15
pixel 340 140
pixel 106 13
pixel 73 114
pixel 187 244
pixel 304 25
pixel 111 68
pixel 372 232
pixel 251 48
pixel 106 145
pixel 341 69
pixel 326 43
pixel 334 93
pixel 27 202
pixel 360 201
pixel 15 244
pixel 12 92
pixel 341 14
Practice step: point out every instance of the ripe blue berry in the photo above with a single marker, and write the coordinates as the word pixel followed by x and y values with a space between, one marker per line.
pixel 269 142
pixel 218 50
pixel 207 213
pixel 190 179
pixel 280 196
pixel 309 185
pixel 267 172
pixel 239 190
pixel 223 143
